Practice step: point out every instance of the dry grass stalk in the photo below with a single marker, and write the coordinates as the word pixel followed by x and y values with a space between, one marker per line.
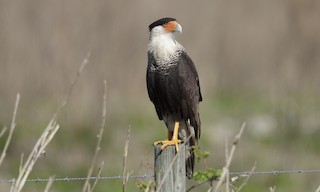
pixel 148 186
pixel 86 186
pixel 248 177
pixel 318 189
pixel 4 129
pixel 73 83
pixel 272 189
pixel 21 162
pixel 44 139
pixel 125 177
pixel 98 176
pixel 49 184
pixel 13 125
pixel 36 152
pixel 227 173
pixel 229 159
pixel 198 184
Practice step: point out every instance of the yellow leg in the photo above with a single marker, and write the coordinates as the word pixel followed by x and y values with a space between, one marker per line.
pixel 174 141
pixel 175 131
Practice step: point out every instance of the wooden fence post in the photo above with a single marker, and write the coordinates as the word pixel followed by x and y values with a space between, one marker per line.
pixel 170 169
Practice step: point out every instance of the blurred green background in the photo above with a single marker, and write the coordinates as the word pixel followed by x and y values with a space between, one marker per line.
pixel 258 61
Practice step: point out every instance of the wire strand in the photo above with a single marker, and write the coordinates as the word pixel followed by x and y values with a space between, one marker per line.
pixel 275 172
pixel 240 173
pixel 37 180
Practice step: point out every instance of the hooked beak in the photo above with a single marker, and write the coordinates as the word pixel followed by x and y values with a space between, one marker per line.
pixel 178 28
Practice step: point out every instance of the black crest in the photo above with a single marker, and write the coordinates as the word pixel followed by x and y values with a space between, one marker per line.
pixel 161 22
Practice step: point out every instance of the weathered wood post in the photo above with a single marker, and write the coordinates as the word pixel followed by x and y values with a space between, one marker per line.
pixel 170 169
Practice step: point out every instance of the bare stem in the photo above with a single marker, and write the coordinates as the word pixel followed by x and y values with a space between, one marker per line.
pixel 74 81
pixel 98 176
pixel 45 138
pixel 36 152
pixel 86 186
pixel 125 177
pixel 272 189
pixel 229 159
pixel 13 125
pixel 248 177
pixel 48 186
pixel 4 129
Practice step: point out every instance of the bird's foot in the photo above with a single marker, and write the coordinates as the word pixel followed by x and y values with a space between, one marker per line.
pixel 167 143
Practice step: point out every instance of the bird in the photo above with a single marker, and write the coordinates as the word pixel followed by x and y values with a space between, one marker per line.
pixel 173 87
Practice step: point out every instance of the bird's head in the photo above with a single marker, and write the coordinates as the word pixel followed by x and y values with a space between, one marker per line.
pixel 162 40
pixel 165 26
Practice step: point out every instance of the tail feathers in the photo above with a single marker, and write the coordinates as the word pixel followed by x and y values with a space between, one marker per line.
pixel 187 134
pixel 190 164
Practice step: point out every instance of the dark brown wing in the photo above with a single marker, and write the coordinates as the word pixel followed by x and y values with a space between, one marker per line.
pixel 152 84
pixel 163 90
pixel 190 92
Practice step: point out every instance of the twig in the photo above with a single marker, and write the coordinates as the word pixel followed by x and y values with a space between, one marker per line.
pixel 198 184
pixel 4 129
pixel 37 150
pixel 13 125
pixel 98 176
pixel 148 186
pixel 48 186
pixel 45 137
pixel 230 156
pixel 242 185
pixel 227 157
pixel 272 189
pixel 248 177
pixel 86 186
pixel 318 189
pixel 125 177
pixel 73 83
pixel 21 162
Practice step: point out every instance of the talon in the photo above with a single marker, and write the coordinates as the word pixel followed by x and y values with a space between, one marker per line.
pixel 174 141
pixel 158 142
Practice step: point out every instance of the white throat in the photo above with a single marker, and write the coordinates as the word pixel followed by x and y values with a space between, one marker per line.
pixel 162 44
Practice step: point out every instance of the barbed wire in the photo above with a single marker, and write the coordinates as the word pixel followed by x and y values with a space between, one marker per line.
pixel 272 172
pixel 79 178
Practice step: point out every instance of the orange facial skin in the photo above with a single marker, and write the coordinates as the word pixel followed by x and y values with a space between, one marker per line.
pixel 170 26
